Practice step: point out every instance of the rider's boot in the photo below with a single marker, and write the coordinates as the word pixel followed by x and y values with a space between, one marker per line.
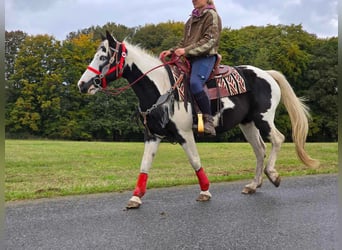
pixel 209 127
pixel 203 103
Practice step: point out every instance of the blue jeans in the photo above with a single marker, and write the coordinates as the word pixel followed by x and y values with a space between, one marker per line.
pixel 201 69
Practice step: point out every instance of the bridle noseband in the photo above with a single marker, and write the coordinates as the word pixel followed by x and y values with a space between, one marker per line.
pixel 99 80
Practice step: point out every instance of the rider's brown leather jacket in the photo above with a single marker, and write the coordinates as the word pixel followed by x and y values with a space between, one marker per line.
pixel 201 34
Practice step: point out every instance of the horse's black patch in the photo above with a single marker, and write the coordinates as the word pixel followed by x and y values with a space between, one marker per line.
pixel 260 100
pixel 145 89
pixel 233 116
pixel 158 122
pixel 248 107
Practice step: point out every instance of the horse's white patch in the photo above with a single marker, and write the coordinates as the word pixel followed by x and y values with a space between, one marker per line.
pixel 181 117
pixel 206 193
pixel 151 148
pixel 145 64
pixel 95 64
pixel 227 104
pixel 136 199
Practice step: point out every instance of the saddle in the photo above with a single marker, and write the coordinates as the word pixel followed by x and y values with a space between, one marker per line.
pixel 219 69
pixel 223 81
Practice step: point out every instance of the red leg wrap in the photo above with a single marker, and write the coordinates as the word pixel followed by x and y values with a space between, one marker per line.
pixel 203 179
pixel 140 187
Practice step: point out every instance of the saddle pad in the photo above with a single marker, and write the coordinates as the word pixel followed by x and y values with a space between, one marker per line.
pixel 229 83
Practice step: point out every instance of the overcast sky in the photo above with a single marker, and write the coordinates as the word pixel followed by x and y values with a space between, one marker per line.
pixel 59 17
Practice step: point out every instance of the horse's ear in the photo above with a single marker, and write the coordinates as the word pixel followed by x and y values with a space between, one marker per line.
pixel 110 39
pixel 103 37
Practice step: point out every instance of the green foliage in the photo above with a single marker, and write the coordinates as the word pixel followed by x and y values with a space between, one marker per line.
pixel 13 42
pixel 119 31
pixel 111 117
pixel 42 99
pixel 322 90
pixel 159 37
pixel 35 72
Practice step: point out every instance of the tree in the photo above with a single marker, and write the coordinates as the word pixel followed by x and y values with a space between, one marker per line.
pixel 13 41
pixel 77 52
pixel 112 116
pixel 119 31
pixel 159 37
pixel 323 91
pixel 36 76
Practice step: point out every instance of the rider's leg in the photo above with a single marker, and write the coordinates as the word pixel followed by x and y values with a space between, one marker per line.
pixel 201 69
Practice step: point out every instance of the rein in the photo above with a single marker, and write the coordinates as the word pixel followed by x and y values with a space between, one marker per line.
pixel 100 82
pixel 174 60
pixel 182 65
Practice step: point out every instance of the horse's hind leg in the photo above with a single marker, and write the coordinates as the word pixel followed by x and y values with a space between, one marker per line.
pixel 150 151
pixel 252 135
pixel 276 139
pixel 191 150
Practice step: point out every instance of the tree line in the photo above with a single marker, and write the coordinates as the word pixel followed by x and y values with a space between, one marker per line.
pixel 41 73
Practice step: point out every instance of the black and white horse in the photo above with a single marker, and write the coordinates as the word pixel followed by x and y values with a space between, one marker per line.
pixel 253 111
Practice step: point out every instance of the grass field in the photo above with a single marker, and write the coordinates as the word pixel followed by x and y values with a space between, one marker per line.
pixel 37 169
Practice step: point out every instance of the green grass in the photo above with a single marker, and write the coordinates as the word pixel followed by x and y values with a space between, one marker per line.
pixel 37 169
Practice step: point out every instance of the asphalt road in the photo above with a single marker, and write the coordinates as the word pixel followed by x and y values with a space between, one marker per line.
pixel 300 214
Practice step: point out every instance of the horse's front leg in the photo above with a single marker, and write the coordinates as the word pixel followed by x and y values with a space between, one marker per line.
pixel 150 151
pixel 191 150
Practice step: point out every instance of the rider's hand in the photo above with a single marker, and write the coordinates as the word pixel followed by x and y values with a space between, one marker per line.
pixel 180 52
pixel 164 54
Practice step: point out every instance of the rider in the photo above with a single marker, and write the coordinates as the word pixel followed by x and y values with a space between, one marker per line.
pixel 200 45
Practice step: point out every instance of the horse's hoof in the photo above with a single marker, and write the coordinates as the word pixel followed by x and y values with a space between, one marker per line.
pixel 275 182
pixel 134 203
pixel 248 190
pixel 204 196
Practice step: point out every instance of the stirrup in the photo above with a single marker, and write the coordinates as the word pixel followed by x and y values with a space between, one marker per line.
pixel 200 123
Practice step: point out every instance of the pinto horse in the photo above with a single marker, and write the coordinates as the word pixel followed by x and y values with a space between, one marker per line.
pixel 167 117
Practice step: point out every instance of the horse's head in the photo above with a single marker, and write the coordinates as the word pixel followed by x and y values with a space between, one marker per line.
pixel 107 65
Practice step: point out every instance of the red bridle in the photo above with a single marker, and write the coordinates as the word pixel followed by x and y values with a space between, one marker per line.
pixel 118 67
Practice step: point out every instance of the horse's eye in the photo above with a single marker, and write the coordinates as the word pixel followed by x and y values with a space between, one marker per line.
pixel 103 58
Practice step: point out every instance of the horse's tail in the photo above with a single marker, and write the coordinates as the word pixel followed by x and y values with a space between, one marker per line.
pixel 299 115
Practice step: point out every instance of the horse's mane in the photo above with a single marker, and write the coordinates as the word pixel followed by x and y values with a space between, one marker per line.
pixel 136 48
pixel 146 61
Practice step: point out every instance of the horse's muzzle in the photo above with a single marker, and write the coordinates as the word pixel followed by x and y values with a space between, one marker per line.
pixel 87 88
pixel 83 87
